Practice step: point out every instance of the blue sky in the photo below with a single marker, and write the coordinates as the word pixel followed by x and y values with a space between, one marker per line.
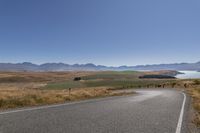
pixel 106 32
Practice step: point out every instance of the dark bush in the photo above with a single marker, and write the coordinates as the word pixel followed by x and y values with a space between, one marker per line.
pixel 157 76
pixel 77 78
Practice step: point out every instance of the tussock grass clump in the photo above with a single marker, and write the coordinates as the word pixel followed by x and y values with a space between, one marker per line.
pixel 196 82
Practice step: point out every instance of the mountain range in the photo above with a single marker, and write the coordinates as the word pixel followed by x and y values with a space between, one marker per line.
pixel 27 66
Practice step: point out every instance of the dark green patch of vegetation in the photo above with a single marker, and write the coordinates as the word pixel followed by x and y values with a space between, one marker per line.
pixel 77 78
pixel 156 77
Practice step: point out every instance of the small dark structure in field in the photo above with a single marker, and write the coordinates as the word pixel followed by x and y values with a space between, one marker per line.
pixel 173 85
pixel 156 77
pixel 159 86
pixel 163 85
pixel 185 85
pixel 77 78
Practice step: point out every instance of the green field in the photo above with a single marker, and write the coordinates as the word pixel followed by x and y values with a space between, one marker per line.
pixel 64 85
pixel 123 79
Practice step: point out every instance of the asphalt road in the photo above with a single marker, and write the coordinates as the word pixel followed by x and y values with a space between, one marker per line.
pixel 150 111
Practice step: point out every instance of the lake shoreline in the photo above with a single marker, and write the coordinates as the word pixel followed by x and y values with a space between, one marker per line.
pixel 188 75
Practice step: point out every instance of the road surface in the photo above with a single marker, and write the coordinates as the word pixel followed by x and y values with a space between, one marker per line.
pixel 150 111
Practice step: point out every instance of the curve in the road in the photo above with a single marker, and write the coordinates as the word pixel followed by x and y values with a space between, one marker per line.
pixel 152 111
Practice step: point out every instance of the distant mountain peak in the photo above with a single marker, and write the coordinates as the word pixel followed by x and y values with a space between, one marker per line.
pixel 90 64
pixel 27 63
pixel 28 66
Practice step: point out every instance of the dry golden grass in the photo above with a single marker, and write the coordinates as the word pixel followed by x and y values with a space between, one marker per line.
pixel 12 98
pixel 21 85
pixel 19 89
pixel 17 77
pixel 195 94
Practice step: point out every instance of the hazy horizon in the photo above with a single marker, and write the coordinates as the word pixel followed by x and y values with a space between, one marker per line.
pixel 97 64
pixel 106 32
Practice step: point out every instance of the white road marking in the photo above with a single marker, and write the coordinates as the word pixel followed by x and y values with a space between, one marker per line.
pixel 180 121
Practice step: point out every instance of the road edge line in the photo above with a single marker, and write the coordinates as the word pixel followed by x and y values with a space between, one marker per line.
pixel 180 121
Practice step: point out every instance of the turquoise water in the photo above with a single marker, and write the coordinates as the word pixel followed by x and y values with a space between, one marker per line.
pixel 188 75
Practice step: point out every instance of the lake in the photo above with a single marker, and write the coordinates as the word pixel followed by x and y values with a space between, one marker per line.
pixel 188 75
